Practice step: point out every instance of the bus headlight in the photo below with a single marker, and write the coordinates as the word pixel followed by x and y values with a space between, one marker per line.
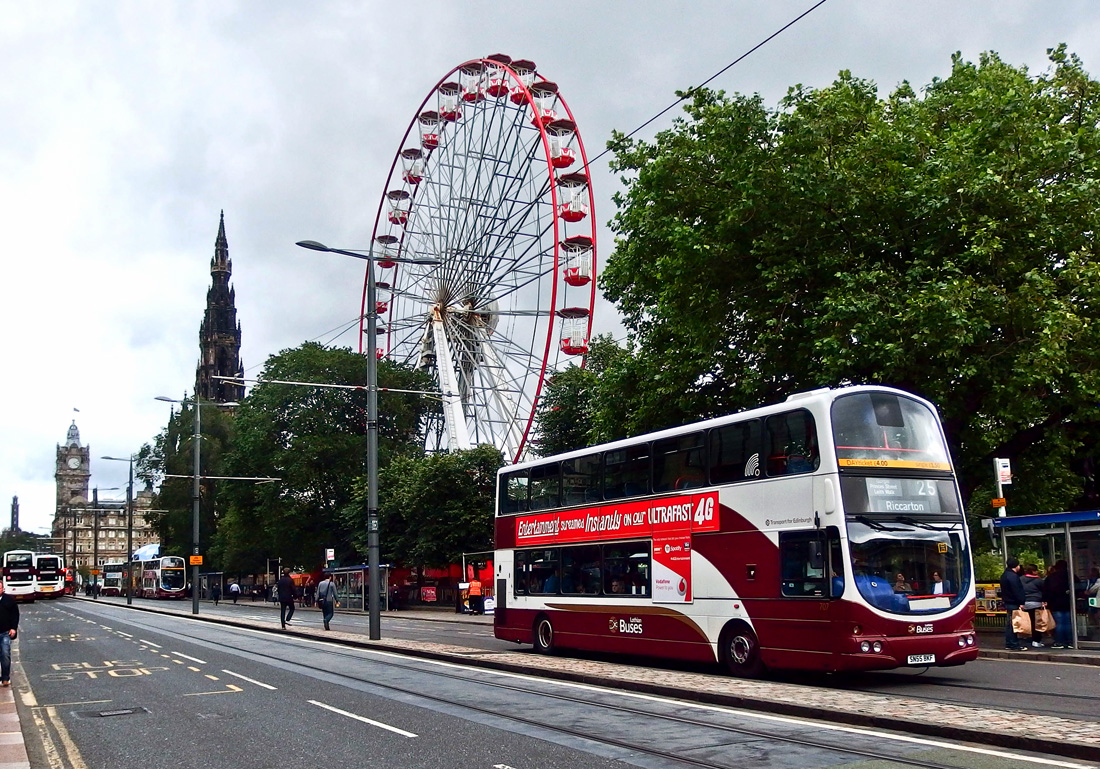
pixel 865 647
pixel 877 646
pixel 970 640
pixel 962 640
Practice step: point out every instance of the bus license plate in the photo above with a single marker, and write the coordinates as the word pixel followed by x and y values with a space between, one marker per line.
pixel 921 659
pixel 46 589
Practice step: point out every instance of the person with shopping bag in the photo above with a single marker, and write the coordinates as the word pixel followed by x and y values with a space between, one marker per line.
pixel 1034 604
pixel 1012 595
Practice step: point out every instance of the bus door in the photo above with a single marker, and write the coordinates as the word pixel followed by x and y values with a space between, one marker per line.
pixel 811 579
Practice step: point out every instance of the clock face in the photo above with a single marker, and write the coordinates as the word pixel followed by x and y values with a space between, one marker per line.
pixel 74 462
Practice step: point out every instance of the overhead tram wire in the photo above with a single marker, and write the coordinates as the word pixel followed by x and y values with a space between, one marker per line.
pixel 688 94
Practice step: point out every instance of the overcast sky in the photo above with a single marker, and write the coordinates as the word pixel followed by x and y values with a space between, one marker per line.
pixel 128 126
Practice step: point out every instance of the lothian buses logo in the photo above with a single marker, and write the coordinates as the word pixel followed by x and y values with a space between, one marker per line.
pixel 625 626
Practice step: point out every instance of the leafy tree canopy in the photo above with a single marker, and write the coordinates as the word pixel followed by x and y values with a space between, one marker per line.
pixel 432 508
pixel 170 454
pixel 313 440
pixel 944 243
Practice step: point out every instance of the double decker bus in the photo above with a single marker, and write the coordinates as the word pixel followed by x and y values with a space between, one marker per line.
pixel 164 577
pixel 49 576
pixel 824 533
pixel 113 581
pixel 18 574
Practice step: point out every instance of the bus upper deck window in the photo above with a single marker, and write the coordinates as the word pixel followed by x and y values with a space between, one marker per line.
pixel 513 492
pixel 792 443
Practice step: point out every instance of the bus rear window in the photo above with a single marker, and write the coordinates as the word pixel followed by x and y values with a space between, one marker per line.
pixel 878 429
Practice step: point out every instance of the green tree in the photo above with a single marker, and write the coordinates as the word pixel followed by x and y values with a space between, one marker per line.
pixel 942 243
pixel 432 508
pixel 170 454
pixel 314 440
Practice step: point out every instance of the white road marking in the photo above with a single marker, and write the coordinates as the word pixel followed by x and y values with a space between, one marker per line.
pixel 244 678
pixel 685 703
pixel 193 659
pixel 155 646
pixel 379 724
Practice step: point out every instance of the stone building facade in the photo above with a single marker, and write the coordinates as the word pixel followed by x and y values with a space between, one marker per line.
pixel 89 531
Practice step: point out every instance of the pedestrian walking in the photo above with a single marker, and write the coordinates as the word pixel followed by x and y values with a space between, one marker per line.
pixel 476 605
pixel 1056 594
pixel 216 592
pixel 286 597
pixel 234 592
pixel 1012 595
pixel 1033 601
pixel 326 598
pixel 310 590
pixel 9 627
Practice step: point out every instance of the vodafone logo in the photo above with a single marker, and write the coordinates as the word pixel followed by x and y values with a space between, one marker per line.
pixel 682 588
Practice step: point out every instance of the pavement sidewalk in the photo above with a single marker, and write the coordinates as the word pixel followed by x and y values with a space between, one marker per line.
pixel 1001 727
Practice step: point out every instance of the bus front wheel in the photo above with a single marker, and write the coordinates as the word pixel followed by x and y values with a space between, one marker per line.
pixel 739 651
pixel 544 635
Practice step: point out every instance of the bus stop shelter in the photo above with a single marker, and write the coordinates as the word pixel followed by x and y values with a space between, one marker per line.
pixel 1076 538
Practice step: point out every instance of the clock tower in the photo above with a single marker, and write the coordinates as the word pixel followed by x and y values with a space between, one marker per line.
pixel 73 471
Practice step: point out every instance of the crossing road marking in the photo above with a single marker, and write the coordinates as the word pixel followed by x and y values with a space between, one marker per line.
pixel 379 724
pixel 243 678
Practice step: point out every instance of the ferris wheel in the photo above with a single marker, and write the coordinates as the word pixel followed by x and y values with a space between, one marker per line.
pixel 491 183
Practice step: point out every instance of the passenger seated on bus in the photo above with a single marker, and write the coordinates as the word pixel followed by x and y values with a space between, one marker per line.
pixel 618 585
pixel 901 586
pixel 551 584
pixel 690 481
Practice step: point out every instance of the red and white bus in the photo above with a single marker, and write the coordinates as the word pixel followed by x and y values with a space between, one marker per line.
pixel 164 577
pixel 49 576
pixel 823 533
pixel 18 574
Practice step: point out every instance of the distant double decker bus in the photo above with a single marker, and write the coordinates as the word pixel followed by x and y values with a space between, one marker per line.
pixel 18 574
pixel 114 576
pixel 164 577
pixel 823 533
pixel 49 576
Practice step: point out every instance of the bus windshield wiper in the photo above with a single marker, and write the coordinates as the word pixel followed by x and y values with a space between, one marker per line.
pixel 876 525
pixel 923 525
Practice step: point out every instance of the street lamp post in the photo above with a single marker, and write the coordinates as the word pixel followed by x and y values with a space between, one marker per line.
pixel 373 558
pixel 129 528
pixel 196 439
pixel 95 540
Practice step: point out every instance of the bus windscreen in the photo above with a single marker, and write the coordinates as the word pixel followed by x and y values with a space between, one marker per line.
pixel 884 430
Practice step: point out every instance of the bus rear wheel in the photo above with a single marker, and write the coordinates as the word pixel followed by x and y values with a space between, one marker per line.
pixel 544 635
pixel 739 651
